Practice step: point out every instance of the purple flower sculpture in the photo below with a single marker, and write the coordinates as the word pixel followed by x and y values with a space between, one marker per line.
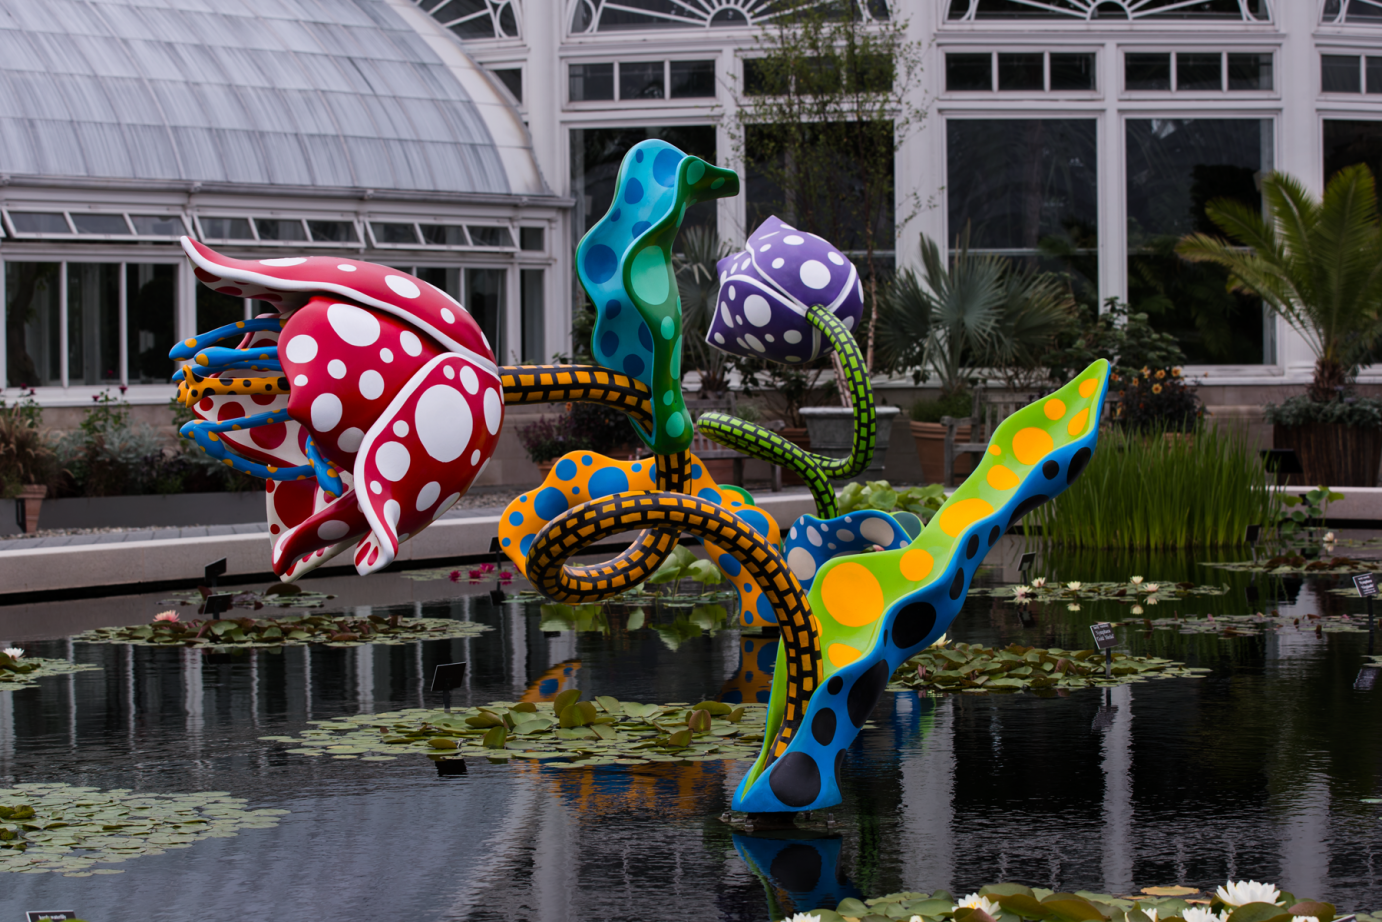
pixel 766 289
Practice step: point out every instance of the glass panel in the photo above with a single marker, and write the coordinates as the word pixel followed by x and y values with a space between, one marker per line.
pixel 1028 186
pixel 1249 71
pixel 394 233
pixel 1099 10
pixel 157 225
pixel 1199 71
pixel 485 301
pixel 448 280
pixel 597 152
pixel 591 81
pixel 1072 71
pixel 490 236
pixel 444 235
pixel 1374 74
pixel 642 80
pixel 530 296
pixel 226 228
pixel 1350 142
pixel 110 224
pixel 32 222
pixel 32 325
pixel 1021 71
pixel 1339 73
pixel 964 72
pixel 693 79
pixel 532 238
pixel 151 310
pixel 216 310
pixel 279 229
pixel 512 78
pixel 93 322
pixel 1175 167
pixel 333 231
pixel 1147 71
pixel 758 81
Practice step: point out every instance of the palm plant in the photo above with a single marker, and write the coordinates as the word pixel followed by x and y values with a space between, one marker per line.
pixel 1316 262
pixel 980 311
pixel 698 284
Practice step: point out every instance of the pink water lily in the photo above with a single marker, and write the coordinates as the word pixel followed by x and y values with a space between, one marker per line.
pixel 166 616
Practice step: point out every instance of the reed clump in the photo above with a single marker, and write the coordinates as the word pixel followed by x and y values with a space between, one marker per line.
pixel 1155 490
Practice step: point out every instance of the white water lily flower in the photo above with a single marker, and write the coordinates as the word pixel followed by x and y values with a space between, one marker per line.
pixel 802 917
pixel 975 901
pixel 1329 537
pixel 14 652
pixel 1151 587
pixel 1246 891
pixel 1020 592
pixel 1307 919
pixel 1149 913
pixel 1038 582
pixel 1153 601
pixel 1137 581
pixel 1073 606
pixel 1196 914
pixel 1137 609
pixel 1075 586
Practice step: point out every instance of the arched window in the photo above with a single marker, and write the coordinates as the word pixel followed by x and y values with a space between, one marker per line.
pixel 614 15
pixel 1337 12
pixel 475 19
pixel 1124 10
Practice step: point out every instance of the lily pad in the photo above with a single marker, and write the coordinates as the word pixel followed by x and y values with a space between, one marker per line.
pixel 65 829
pixel 1251 625
pixel 25 671
pixel 289 630
pixel 976 669
pixel 280 595
pixel 1141 591
pixel 585 733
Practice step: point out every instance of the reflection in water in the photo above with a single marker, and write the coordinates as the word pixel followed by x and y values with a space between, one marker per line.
pixel 1258 770
pixel 799 873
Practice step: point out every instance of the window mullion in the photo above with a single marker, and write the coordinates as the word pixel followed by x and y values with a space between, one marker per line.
pixel 123 303
pixel 62 323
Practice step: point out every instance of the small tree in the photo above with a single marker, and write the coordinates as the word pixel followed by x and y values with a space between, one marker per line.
pixel 824 110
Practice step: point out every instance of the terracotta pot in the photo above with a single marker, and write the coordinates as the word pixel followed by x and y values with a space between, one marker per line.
pixel 27 505
pixel 797 435
pixel 721 469
pixel 545 467
pixel 832 435
pixel 1331 454
pixel 930 442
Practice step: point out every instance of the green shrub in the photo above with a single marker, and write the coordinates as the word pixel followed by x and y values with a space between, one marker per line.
pixel 931 411
pixel 1147 491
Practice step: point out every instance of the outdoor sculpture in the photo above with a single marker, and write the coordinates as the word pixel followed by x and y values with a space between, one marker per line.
pixel 418 410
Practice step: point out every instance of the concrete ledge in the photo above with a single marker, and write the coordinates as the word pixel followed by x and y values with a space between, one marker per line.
pixel 133 563
pixel 1360 504
pixel 160 510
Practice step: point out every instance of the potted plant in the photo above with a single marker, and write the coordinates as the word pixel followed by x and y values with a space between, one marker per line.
pixel 976 312
pixel 545 441
pixel 27 464
pixel 1317 263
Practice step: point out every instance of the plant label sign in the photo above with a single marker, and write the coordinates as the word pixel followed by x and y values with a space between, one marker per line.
pixel 448 676
pixel 1103 635
pixel 1025 563
pixel 214 570
pixel 51 915
pixel 1366 584
pixel 218 604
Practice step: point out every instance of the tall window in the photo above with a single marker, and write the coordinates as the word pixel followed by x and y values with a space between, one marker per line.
pixel 1175 167
pixel 1350 142
pixel 1027 188
pixel 1115 10
pixel 597 152
pixel 533 318
pixel 63 322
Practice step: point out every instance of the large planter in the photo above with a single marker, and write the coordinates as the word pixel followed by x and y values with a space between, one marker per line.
pixel 831 430
pixel 930 442
pixel 798 436
pixel 27 505
pixel 1332 454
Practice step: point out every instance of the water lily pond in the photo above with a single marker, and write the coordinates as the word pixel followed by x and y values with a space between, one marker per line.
pixel 324 780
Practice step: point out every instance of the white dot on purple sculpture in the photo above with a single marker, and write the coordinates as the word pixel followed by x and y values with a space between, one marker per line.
pixel 769 337
pixel 794 358
pixel 732 293
pixel 758 310
pixel 777 263
pixel 794 239
pixel 754 342
pixel 765 248
pixel 739 319
pixel 836 258
pixel 720 338
pixel 849 323
pixel 815 274
pixel 792 336
pixel 724 312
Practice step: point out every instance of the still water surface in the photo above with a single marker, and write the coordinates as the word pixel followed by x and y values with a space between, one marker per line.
pixel 1258 770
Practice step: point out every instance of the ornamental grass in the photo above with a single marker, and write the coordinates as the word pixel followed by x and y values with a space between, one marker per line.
pixel 1159 491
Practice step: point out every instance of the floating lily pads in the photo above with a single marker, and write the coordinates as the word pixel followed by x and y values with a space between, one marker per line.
pixel 564 733
pixel 1291 564
pixel 1252 625
pixel 280 595
pixel 1013 902
pixel 1145 592
pixel 69 830
pixel 244 633
pixel 975 669
pixel 24 671
pixel 477 574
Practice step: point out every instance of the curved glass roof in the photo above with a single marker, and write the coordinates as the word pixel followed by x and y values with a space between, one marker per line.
pixel 326 93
